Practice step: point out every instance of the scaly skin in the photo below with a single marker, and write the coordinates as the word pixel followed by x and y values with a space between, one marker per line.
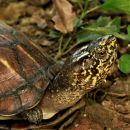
pixel 82 72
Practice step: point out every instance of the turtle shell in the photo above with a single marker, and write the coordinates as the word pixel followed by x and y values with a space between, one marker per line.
pixel 23 68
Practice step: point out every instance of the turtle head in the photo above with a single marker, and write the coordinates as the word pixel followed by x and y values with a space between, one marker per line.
pixel 94 61
pixel 81 73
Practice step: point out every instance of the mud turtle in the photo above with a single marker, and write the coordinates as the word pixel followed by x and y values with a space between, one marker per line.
pixel 36 86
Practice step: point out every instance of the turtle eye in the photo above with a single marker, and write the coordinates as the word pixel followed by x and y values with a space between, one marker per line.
pixel 101 53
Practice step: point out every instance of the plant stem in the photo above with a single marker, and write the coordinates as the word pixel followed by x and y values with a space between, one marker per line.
pixel 60 47
pixel 93 9
pixel 71 48
pixel 67 43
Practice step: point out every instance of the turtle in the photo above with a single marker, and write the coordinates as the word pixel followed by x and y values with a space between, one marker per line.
pixel 37 87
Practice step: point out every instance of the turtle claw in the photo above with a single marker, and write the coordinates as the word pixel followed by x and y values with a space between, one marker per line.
pixel 33 115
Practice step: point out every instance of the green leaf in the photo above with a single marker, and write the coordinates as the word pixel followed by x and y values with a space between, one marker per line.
pixel 116 6
pixel 116 22
pixel 113 25
pixel 105 26
pixel 86 36
pixel 79 1
pixel 128 30
pixel 124 63
pixel 54 34
pixel 100 22
pixel 78 22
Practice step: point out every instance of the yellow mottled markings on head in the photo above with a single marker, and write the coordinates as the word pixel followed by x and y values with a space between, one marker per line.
pixel 91 66
pixel 109 49
pixel 95 68
pixel 94 81
pixel 90 73
pixel 99 65
pixel 87 78
pixel 113 43
pixel 103 42
pixel 94 63
pixel 84 72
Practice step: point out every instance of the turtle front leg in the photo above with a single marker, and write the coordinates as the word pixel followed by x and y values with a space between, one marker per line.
pixel 52 123
pixel 33 115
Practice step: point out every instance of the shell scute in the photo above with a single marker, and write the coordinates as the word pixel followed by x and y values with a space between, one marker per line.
pixel 23 80
pixel 29 98
pixel 9 105
pixel 8 72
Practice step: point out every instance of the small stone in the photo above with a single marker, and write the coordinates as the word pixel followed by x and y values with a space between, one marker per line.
pixel 76 125
pixel 84 115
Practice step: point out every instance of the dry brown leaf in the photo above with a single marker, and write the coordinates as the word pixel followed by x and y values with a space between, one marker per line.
pixel 13 11
pixel 65 17
pixel 38 2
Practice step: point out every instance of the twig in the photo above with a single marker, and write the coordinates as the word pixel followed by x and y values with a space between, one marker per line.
pixel 66 114
pixel 60 46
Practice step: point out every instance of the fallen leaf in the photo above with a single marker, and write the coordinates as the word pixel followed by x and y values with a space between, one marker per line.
pixel 38 2
pixel 65 17
pixel 13 11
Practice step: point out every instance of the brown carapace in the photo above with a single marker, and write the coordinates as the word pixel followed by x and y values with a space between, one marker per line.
pixel 23 67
